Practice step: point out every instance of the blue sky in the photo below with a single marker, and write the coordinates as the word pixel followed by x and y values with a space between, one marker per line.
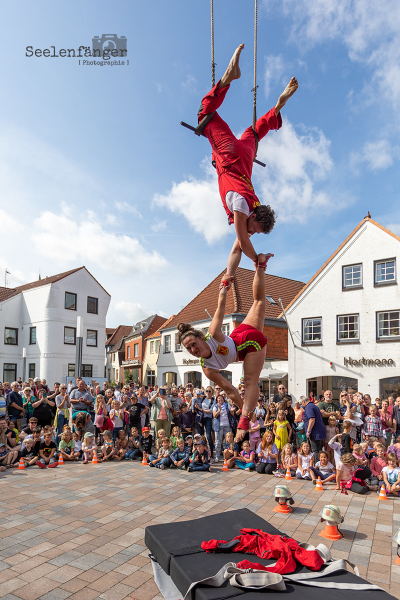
pixel 95 169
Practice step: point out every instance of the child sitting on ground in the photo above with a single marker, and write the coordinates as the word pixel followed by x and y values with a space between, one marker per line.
pixel 231 450
pixel 254 431
pixel 107 449
pixel 246 458
pixel 378 463
pixel 78 453
pixel 180 457
pixel 289 460
pixel 370 452
pixel 161 461
pixel 122 445
pixel 67 446
pixel 305 461
pixel 47 451
pixel 359 455
pixel 347 472
pixel 200 460
pixel 186 420
pixel 323 469
pixel 133 444
pixel 391 474
pixel 189 444
pixel 88 447
pixel 346 440
pixel 176 435
pixel 28 453
pixel 160 436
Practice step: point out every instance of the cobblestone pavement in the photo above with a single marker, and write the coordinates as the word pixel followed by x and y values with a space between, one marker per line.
pixel 77 531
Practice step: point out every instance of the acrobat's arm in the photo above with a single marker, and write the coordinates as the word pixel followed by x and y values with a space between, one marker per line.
pixel 215 328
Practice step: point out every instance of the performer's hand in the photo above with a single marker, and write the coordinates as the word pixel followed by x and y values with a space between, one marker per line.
pixel 226 282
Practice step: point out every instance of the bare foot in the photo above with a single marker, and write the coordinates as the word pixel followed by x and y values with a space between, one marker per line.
pixel 233 70
pixel 287 93
pixel 262 260
pixel 240 433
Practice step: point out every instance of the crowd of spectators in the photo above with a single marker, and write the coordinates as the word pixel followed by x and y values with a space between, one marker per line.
pixel 351 441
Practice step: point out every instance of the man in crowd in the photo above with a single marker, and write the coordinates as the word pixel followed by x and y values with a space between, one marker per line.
pixel 313 426
pixel 278 398
pixel 328 406
pixel 15 404
pixel 81 399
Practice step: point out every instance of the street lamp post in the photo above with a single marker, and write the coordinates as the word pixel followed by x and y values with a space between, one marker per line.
pixel 23 364
pixel 79 346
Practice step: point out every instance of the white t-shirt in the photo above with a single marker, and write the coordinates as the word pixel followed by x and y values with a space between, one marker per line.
pixel 326 470
pixel 391 474
pixel 223 354
pixel 235 201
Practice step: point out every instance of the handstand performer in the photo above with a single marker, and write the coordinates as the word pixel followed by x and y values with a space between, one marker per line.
pixel 246 343
pixel 233 160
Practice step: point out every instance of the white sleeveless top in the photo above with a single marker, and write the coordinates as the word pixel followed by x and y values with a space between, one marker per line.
pixel 222 354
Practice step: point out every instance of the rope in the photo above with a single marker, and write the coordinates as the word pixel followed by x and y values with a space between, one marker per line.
pixel 254 90
pixel 212 45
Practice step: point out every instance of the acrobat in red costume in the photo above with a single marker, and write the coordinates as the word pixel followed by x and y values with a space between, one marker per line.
pixel 233 159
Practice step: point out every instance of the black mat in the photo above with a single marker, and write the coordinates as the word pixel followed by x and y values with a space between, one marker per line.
pixel 168 539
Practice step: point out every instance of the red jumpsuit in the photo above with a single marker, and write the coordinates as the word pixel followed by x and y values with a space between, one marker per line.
pixel 234 158
pixel 265 545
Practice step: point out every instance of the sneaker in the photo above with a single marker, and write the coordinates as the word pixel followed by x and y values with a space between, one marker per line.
pixel 314 482
pixel 216 460
pixel 40 464
pixel 190 469
pixel 162 467
pixel 54 464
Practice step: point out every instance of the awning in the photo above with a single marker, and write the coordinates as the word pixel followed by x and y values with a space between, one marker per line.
pixel 271 374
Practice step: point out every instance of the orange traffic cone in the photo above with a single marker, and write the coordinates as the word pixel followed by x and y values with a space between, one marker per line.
pixel 144 460
pixel 382 493
pixel 397 561
pixel 21 464
pixel 288 476
pixel 331 531
pixel 282 507
pixel 225 466
pixel 318 485
pixel 94 459
pixel 60 460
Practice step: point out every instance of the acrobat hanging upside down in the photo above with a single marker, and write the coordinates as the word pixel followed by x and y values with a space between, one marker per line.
pixel 233 159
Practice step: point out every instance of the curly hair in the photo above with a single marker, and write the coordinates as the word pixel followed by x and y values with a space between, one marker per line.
pixel 185 329
pixel 266 216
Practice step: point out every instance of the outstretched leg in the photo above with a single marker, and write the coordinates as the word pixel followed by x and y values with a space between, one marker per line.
pixel 256 314
pixel 233 70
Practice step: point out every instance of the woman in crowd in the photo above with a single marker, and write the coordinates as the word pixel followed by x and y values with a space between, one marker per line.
pixel 63 409
pixel 161 412
pixel 27 400
pixel 387 422
pixel 207 408
pixel 42 408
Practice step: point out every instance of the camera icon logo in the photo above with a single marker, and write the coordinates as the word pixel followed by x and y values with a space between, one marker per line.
pixel 109 42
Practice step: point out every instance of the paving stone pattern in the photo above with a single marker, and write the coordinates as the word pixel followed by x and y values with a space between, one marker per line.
pixel 77 531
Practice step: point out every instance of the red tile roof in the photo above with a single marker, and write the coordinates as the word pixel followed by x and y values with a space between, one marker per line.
pixel 157 334
pixel 239 299
pixel 8 292
pixel 116 338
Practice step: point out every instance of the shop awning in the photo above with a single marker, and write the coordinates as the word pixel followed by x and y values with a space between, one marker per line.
pixel 271 374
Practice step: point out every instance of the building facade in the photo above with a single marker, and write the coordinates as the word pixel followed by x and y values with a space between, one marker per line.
pixel 135 346
pixel 115 353
pixel 38 322
pixel 345 322
pixel 176 365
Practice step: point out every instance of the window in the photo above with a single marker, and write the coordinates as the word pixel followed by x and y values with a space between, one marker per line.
pixel 32 335
pixel 352 276
pixel 178 346
pixel 93 305
pixel 152 344
pixel 113 357
pixel 151 378
pixel 70 301
pixel 11 336
pixel 225 329
pixel 91 337
pixel 388 325
pixel 312 331
pixel 71 370
pixel 348 329
pixel 32 370
pixel 9 372
pixel 157 346
pixel 227 375
pixel 271 300
pixel 136 350
pixel 128 352
pixel 385 271
pixel 70 335
pixel 167 341
pixel 87 371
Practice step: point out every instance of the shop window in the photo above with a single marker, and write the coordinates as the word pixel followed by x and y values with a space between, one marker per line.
pixel 348 328
pixel 385 271
pixel 388 325
pixel 93 305
pixel 167 343
pixel 70 301
pixel 32 335
pixel 169 378
pixel 11 336
pixel 9 372
pixel 226 329
pixel 352 276
pixel 70 335
pixel 312 330
pixel 389 386
pixel 91 337
pixel 340 384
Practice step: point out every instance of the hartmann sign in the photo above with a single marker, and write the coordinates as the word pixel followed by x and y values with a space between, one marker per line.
pixel 369 362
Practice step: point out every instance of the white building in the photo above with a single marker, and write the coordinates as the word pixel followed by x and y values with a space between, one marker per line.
pixel 345 322
pixel 39 320
pixel 176 365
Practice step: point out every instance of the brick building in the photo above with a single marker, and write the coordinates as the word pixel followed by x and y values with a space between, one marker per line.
pixel 175 365
pixel 135 345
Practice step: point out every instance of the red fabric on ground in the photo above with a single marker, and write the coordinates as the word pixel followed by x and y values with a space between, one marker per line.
pixel 286 551
pixel 234 157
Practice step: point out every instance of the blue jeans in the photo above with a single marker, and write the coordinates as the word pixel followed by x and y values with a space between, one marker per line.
pixel 243 465
pixel 115 432
pixel 130 454
pixel 199 426
pixel 208 428
pixel 219 439
pixel 205 467
pixel 61 421
pixel 319 474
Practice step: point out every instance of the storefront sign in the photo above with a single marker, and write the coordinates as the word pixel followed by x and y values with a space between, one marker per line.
pixel 189 361
pixel 369 362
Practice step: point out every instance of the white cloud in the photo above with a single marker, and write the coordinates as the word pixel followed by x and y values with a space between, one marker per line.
pixel 130 208
pixel 377 155
pixel 190 84
pixel 198 200
pixel 111 219
pixel 274 71
pixel 370 30
pixel 159 226
pixel 132 312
